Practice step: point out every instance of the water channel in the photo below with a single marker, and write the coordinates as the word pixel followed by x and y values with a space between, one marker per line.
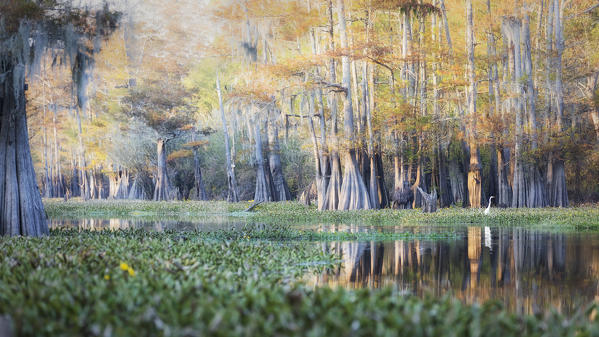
pixel 529 270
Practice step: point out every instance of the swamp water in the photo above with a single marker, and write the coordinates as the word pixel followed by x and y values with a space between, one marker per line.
pixel 529 270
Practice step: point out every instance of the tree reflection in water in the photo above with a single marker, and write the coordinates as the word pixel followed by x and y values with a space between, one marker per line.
pixel 530 271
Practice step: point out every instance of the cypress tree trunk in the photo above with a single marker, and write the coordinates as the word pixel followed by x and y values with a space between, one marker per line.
pixel 136 191
pixel 119 184
pixel 21 208
pixel 59 183
pixel 318 178
pixel 92 183
pixel 331 200
pixel 112 185
pixel 161 190
pixel 75 187
pixel 374 191
pixel 198 180
pixel 445 194
pixel 276 168
pixel 232 193
pixel 323 164
pixel 512 28
pixel 558 194
pixel 84 189
pixel 474 173
pixel 456 179
pixel 536 184
pixel 418 182
pixel 397 163
pixel 47 183
pixel 263 191
pixel 354 194
pixel 382 188
pixel 504 191
pixel 493 104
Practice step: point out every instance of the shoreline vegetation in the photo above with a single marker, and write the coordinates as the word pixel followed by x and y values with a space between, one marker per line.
pixel 126 282
pixel 577 218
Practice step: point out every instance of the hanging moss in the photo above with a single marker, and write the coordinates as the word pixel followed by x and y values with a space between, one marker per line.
pixel 30 30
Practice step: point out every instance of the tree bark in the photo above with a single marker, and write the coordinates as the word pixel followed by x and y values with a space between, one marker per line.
pixel 445 195
pixel 137 192
pixel 276 167
pixel 47 182
pixel 474 173
pixel 512 28
pixel 75 186
pixel 316 151
pixel 374 191
pixel 536 184
pixel 21 208
pixel 83 179
pixel 58 179
pixel 161 190
pixel 354 194
pixel 429 201
pixel 493 103
pixel 334 186
pixel 323 175
pixel 558 194
pixel 263 191
pixel 232 192
pixel 200 188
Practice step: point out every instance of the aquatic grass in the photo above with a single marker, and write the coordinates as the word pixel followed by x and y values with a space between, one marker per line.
pixel 290 233
pixel 576 218
pixel 77 208
pixel 80 283
pixel 579 217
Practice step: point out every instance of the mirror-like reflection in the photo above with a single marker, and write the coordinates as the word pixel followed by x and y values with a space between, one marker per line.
pixel 530 271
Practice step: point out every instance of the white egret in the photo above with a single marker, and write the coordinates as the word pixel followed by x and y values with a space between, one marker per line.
pixel 488 210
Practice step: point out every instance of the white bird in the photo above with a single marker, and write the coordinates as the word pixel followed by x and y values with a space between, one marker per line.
pixel 488 210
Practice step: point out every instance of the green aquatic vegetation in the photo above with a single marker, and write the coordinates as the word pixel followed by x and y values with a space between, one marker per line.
pixel 289 233
pixel 135 282
pixel 138 282
pixel 135 208
pixel 575 218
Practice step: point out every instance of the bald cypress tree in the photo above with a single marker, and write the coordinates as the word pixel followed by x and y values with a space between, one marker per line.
pixel 30 31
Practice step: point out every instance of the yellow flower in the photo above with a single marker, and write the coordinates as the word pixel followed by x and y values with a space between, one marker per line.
pixel 127 268
pixel 107 277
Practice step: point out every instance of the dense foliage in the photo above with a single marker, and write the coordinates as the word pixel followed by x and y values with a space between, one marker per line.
pixel 533 125
pixel 579 218
pixel 187 284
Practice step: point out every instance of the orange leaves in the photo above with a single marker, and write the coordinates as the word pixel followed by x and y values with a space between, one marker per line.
pixel 295 66
pixel 196 144
pixel 178 155
pixel 257 85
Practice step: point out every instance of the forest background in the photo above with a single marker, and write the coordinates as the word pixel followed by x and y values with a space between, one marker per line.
pixel 346 104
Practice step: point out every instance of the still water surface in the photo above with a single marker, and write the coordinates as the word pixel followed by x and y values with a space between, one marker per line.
pixel 529 270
